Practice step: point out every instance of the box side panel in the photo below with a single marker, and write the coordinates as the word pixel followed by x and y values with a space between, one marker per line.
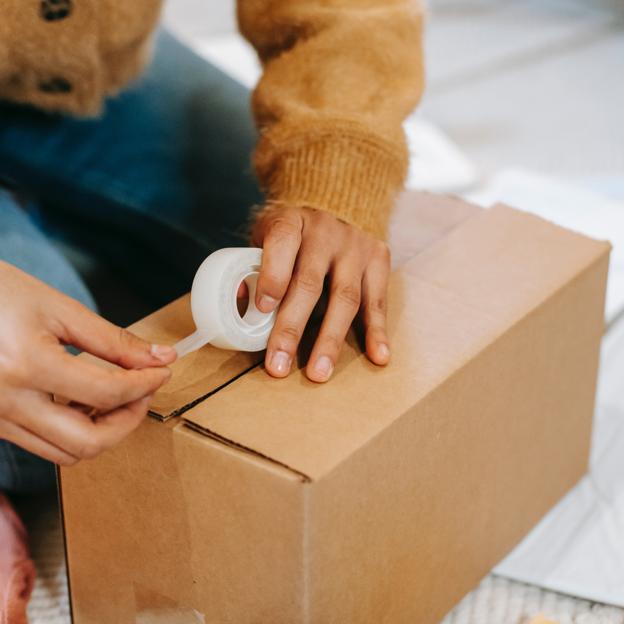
pixel 414 519
pixel 172 526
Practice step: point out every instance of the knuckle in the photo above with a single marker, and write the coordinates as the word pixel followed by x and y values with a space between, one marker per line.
pixel 115 396
pixel 112 393
pixel 126 339
pixel 272 280
pixel 382 250
pixel 325 217
pixel 15 371
pixel 122 336
pixel 331 342
pixel 377 305
pixel 283 227
pixel 105 400
pixel 89 449
pixel 12 409
pixel 288 334
pixel 348 293
pixel 309 282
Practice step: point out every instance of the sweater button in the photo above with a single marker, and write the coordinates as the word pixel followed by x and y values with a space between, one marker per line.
pixel 53 10
pixel 55 85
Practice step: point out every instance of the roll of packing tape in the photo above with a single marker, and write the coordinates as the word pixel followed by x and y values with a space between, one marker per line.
pixel 214 303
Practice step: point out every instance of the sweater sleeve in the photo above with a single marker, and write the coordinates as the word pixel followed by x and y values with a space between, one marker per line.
pixel 340 76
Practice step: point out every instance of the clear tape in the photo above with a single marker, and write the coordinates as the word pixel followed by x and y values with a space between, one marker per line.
pixel 214 303
pixel 191 343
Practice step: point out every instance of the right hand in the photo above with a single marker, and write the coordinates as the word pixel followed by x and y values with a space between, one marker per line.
pixel 36 321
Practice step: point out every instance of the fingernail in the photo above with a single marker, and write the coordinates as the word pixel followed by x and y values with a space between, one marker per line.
pixel 162 352
pixel 324 367
pixel 266 303
pixel 384 351
pixel 280 362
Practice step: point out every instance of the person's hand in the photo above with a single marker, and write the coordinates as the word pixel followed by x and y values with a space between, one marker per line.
pixel 35 322
pixel 303 247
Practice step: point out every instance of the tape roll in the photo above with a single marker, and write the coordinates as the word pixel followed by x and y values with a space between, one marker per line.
pixel 214 303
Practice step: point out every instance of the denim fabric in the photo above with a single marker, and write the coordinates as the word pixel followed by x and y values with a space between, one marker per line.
pixel 163 178
pixel 151 187
pixel 25 246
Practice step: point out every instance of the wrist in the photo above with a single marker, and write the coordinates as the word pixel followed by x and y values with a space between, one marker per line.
pixel 344 171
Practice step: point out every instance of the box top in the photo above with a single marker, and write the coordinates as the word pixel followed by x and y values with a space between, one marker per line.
pixel 447 304
pixel 198 374
pixel 419 219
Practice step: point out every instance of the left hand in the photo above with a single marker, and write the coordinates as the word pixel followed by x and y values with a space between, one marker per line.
pixel 302 247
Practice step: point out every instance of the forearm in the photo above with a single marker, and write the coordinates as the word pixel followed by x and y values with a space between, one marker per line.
pixel 339 79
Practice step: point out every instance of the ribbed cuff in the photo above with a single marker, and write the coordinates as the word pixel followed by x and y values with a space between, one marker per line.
pixel 355 178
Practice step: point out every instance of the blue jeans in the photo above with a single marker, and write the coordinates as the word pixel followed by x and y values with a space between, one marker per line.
pixel 159 181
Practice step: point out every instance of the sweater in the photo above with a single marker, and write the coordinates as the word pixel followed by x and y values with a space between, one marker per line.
pixel 339 77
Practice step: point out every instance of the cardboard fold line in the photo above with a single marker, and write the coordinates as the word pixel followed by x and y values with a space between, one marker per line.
pixel 245 449
pixel 184 408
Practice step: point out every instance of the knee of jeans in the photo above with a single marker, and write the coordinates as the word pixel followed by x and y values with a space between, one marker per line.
pixel 24 245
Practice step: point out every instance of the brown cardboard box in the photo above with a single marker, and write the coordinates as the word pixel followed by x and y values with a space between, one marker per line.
pixel 380 497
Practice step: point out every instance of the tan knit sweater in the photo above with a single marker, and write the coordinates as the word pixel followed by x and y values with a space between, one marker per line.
pixel 339 78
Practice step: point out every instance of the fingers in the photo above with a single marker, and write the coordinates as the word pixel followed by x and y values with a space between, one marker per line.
pixel 304 291
pixel 348 292
pixel 300 247
pixel 55 371
pixel 374 304
pixel 86 330
pixel 344 303
pixel 74 433
pixel 281 236
pixel 34 444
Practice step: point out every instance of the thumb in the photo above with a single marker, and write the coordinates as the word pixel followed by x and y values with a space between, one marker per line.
pixel 86 330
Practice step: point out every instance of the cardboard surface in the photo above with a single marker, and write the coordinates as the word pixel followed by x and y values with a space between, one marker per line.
pixel 168 519
pixel 578 548
pixel 419 220
pixel 383 496
pixel 448 303
pixel 199 373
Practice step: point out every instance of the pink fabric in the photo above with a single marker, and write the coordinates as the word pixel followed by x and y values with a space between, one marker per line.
pixel 17 571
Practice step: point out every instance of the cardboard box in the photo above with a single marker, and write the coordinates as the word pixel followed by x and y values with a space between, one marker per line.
pixel 383 496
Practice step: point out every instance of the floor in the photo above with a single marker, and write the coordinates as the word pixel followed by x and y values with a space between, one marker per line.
pixel 533 83
pixel 528 83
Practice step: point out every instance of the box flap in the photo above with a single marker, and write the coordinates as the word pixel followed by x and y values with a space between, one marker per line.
pixel 446 305
pixel 420 219
pixel 198 374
